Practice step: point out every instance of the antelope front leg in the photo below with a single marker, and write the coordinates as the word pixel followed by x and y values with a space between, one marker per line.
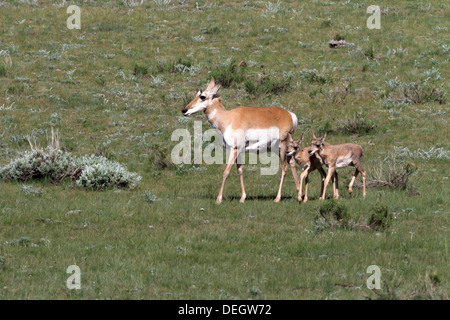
pixel 323 176
pixel 241 178
pixel 335 185
pixel 294 172
pixel 283 174
pixel 284 165
pixel 231 160
pixel 302 177
pixel 327 179
pixel 350 186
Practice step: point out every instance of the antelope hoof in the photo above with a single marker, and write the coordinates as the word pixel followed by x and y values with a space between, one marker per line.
pixel 243 198
pixel 219 200
pixel 277 199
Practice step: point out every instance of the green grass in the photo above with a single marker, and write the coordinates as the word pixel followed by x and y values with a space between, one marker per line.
pixel 117 86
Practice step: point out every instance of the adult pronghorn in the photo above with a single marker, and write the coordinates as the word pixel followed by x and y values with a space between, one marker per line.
pixel 246 129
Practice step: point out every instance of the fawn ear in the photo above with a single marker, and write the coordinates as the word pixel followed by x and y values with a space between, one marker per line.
pixel 300 140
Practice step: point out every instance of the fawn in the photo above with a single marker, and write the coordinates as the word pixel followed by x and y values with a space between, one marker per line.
pixel 338 156
pixel 308 163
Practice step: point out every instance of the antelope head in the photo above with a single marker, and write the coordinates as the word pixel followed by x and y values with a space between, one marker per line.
pixel 202 99
pixel 316 144
pixel 293 146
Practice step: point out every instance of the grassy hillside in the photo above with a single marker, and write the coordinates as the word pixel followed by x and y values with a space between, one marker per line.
pixel 116 88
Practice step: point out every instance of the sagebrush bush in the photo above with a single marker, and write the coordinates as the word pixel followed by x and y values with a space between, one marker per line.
pixel 99 173
pixel 50 162
pixel 89 172
pixel 30 190
pixel 423 91
pixel 392 173
pixel 148 197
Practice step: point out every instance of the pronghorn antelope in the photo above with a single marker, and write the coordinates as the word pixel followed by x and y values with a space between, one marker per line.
pixel 338 156
pixel 248 129
pixel 308 163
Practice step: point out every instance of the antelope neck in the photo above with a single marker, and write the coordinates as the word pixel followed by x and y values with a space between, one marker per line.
pixel 213 110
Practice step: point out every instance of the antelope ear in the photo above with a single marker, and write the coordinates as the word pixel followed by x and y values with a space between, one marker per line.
pixel 323 138
pixel 211 85
pixel 215 90
pixel 314 136
pixel 301 139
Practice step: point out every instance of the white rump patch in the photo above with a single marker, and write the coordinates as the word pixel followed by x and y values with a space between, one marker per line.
pixel 294 120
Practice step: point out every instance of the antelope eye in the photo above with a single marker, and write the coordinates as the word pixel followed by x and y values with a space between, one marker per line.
pixel 202 98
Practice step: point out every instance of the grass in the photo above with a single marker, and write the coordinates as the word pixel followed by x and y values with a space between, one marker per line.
pixel 116 88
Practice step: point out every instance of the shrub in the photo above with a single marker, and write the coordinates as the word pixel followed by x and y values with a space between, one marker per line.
pixel 274 8
pixel 432 154
pixel 228 74
pixel 312 75
pixel 2 70
pixel 30 190
pixel 268 85
pixel 391 173
pixel 326 23
pixel 148 197
pixel 139 69
pixel 413 93
pixel 99 173
pixel 339 37
pixel 158 158
pixel 181 65
pixel 89 172
pixel 332 214
pixel 356 125
pixel 212 30
pixel 381 218
pixel 369 53
pixel 51 162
